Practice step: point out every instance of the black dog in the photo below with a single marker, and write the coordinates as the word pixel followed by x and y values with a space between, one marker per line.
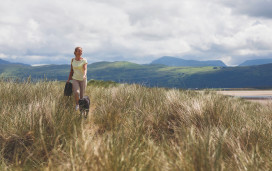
pixel 84 105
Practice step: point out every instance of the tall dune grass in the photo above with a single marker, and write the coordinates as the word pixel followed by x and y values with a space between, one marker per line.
pixel 131 127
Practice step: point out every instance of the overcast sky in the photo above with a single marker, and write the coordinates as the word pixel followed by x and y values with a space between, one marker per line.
pixel 47 31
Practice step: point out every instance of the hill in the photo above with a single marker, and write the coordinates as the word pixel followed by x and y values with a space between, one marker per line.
pixel 7 62
pixel 233 77
pixel 154 75
pixel 4 62
pixel 256 62
pixel 173 61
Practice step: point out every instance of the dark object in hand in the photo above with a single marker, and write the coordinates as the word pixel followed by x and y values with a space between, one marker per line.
pixel 68 90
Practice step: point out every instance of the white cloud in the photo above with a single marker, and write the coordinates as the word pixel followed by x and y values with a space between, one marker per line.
pixel 226 59
pixel 3 56
pixel 36 31
pixel 251 40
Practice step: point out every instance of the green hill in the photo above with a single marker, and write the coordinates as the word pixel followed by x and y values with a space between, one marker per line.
pixel 233 77
pixel 173 61
pixel 154 74
pixel 256 62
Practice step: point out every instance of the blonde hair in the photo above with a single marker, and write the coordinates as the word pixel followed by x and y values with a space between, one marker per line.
pixel 77 49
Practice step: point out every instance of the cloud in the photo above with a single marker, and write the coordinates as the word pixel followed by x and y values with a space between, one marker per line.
pixel 35 31
pixel 255 8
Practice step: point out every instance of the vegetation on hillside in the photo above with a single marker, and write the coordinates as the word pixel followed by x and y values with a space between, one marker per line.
pixel 153 75
pixel 256 62
pixel 100 83
pixel 131 127
pixel 174 61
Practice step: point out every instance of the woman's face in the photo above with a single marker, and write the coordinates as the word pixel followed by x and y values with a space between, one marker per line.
pixel 78 52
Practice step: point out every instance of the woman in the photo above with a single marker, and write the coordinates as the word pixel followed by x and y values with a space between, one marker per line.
pixel 78 74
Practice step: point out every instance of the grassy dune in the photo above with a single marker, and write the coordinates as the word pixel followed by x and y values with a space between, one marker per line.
pixel 131 127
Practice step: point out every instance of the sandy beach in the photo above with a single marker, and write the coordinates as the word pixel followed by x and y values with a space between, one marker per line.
pixel 260 96
pixel 247 93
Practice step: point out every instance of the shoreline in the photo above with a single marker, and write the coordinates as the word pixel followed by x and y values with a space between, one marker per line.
pixel 260 96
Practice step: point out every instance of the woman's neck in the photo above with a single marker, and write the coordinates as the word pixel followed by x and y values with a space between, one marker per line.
pixel 78 58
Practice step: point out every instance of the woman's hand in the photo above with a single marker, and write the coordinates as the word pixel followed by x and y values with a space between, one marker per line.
pixel 84 77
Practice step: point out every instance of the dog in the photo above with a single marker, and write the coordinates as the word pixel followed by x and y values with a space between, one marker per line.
pixel 84 106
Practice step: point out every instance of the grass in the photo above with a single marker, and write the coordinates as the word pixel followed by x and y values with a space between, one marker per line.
pixel 131 127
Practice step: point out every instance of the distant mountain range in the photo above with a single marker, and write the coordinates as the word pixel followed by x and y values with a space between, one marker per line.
pixel 153 75
pixel 256 62
pixel 4 62
pixel 173 61
pixel 7 62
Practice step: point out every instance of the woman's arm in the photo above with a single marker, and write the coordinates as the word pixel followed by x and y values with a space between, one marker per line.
pixel 71 74
pixel 85 71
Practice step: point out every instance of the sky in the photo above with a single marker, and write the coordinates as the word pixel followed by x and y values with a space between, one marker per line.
pixel 139 31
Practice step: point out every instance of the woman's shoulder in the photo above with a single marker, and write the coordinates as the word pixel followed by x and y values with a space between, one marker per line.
pixel 85 60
